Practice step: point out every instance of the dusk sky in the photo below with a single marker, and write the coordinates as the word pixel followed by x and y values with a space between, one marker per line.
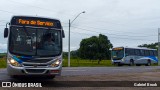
pixel 125 22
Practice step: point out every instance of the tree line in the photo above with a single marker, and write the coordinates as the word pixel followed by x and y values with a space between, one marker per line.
pixel 152 45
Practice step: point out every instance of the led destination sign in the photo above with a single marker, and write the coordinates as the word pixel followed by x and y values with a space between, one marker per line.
pixel 35 21
pixel 117 49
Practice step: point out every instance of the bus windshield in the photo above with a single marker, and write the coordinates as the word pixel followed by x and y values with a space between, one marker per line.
pixel 117 54
pixel 35 41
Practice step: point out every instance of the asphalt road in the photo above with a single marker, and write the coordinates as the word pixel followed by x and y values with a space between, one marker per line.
pixel 82 71
pixel 82 74
pixel 71 71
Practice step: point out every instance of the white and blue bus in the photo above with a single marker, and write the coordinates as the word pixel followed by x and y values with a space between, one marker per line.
pixel 134 56
pixel 34 46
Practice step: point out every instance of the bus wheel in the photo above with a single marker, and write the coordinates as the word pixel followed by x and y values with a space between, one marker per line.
pixel 119 64
pixel 131 63
pixel 50 77
pixel 138 64
pixel 12 76
pixel 148 63
pixel 16 77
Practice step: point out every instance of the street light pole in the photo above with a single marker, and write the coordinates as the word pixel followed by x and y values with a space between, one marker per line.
pixel 158 46
pixel 69 44
pixel 69 37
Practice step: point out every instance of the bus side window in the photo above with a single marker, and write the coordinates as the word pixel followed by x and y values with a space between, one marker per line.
pixel 127 52
pixel 146 53
pixel 132 51
pixel 155 53
pixel 151 53
pixel 142 52
pixel 138 52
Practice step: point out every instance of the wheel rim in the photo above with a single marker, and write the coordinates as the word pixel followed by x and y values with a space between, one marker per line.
pixel 131 63
pixel 149 63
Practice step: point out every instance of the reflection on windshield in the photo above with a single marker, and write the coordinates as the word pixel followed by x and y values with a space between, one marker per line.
pixel 117 54
pixel 29 41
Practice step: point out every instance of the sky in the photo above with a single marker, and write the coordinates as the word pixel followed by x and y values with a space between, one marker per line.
pixel 125 22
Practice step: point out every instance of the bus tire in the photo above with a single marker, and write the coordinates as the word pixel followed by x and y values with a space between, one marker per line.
pixel 50 77
pixel 119 64
pixel 16 77
pixel 138 64
pixel 12 76
pixel 148 63
pixel 131 62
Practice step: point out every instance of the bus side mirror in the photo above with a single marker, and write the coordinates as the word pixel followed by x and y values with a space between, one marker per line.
pixel 63 35
pixel 5 32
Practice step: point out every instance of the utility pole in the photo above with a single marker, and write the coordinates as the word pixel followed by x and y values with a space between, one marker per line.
pixel 69 44
pixel 69 37
pixel 158 46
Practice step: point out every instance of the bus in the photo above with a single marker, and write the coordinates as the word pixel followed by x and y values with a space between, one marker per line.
pixel 34 46
pixel 134 56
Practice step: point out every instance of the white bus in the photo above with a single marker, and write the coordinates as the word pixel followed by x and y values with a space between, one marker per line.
pixel 34 46
pixel 134 56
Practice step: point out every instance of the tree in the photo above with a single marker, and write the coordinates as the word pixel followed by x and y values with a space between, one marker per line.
pixel 152 45
pixel 65 54
pixel 88 47
pixel 74 54
pixel 104 46
pixel 95 48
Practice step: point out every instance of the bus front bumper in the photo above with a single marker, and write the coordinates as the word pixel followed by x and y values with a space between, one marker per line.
pixel 51 71
pixel 117 62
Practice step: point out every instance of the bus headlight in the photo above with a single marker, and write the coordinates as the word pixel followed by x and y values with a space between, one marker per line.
pixel 56 63
pixel 14 62
pixel 122 59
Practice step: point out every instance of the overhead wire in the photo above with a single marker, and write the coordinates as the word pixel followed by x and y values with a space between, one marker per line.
pixel 108 33
pixel 104 29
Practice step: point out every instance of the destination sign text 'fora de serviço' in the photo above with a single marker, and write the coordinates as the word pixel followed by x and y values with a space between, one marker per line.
pixel 35 22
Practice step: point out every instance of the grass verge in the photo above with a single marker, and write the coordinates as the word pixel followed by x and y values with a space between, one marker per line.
pixel 86 63
pixel 3 63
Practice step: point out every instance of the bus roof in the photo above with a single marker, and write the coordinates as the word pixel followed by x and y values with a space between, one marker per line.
pixel 136 48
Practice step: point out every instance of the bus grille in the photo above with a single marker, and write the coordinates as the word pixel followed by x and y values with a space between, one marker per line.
pixel 35 65
pixel 35 70
pixel 38 60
